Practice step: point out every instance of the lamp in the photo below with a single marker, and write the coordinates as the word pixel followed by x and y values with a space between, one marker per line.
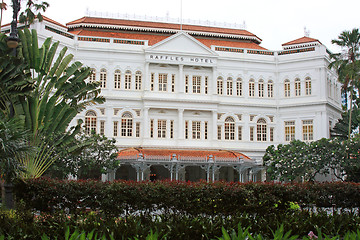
pixel 12 40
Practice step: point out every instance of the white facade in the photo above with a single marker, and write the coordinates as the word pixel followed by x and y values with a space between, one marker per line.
pixel 181 94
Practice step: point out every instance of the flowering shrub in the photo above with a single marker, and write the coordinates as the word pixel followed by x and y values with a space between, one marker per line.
pixel 120 198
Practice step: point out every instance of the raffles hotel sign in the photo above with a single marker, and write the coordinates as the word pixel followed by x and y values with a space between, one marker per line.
pixel 179 59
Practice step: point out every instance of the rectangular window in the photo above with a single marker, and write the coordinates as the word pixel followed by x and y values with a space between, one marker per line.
pixel 229 87
pixel 251 89
pixel 270 90
pixel 102 127
pixel 152 80
pixel 116 128
pixel 196 84
pixel 308 130
pixel 117 80
pixel 162 82
pixel 287 88
pixel 137 133
pixel 289 131
pixel 219 86
pixel 261 89
pixel 251 133
pixel 161 128
pixel 239 133
pixel 173 83
pixel 92 76
pixel 127 80
pixel 152 128
pixel 308 87
pixel 239 88
pixel 196 129
pixel 172 129
pixel 271 134
pixel 297 88
pixel 138 81
pixel 206 130
pixel 206 85
pixel 229 131
pixel 186 129
pixel 219 132
pixel 186 83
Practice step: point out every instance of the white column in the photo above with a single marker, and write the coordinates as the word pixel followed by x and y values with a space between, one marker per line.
pixel 214 125
pixel 212 81
pixel 155 128
pixel 181 80
pixel 145 124
pixel 168 128
pixel 180 123
pixel 147 77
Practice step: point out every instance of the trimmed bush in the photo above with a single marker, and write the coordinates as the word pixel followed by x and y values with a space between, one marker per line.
pixel 121 198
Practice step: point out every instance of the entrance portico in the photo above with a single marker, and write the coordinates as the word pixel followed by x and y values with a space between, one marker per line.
pixel 188 165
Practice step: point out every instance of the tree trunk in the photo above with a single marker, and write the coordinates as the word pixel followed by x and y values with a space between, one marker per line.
pixel 350 115
pixel 9 198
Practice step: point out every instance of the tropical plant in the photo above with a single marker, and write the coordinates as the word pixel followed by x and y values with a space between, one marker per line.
pixel 302 161
pixel 60 91
pixel 33 10
pixel 341 128
pixel 93 155
pixel 13 143
pixel 347 65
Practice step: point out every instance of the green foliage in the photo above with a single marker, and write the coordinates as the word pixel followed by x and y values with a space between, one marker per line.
pixel 13 142
pixel 91 156
pixel 22 224
pixel 201 198
pixel 48 90
pixel 341 128
pixel 301 161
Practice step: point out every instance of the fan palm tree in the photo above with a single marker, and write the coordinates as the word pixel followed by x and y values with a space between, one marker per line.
pixel 347 65
pixel 60 91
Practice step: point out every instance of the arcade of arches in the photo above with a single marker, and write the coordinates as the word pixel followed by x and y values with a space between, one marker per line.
pixel 186 165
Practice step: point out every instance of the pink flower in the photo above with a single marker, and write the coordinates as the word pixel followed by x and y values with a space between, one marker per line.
pixel 312 235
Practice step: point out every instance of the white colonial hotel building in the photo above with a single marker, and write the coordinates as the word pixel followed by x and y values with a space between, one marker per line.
pixel 202 102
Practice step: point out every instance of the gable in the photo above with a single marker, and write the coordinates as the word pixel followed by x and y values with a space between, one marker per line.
pixel 181 43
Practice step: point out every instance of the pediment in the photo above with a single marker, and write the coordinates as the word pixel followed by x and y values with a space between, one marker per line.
pixel 181 43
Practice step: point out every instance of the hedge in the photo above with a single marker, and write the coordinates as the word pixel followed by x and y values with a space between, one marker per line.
pixel 119 198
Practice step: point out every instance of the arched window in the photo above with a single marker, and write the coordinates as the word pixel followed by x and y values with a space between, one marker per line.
pixel 138 77
pixel 117 79
pixel 127 79
pixel 261 88
pixel 90 122
pixel 229 128
pixel 297 87
pixel 229 86
pixel 287 88
pixel 251 88
pixel 103 74
pixel 220 86
pixel 270 89
pixel 307 86
pixel 126 125
pixel 239 87
pixel 261 130
pixel 92 76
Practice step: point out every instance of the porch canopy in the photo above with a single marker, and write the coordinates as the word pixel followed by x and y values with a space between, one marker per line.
pixel 211 161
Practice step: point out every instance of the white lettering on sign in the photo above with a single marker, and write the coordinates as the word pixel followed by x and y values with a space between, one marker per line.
pixel 181 59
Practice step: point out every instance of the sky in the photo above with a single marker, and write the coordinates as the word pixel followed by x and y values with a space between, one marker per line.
pixel 274 21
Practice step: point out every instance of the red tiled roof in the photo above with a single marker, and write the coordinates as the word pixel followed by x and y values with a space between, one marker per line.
pixel 155 38
pixel 45 19
pixel 159 25
pixel 52 21
pixel 301 40
pixel 183 153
